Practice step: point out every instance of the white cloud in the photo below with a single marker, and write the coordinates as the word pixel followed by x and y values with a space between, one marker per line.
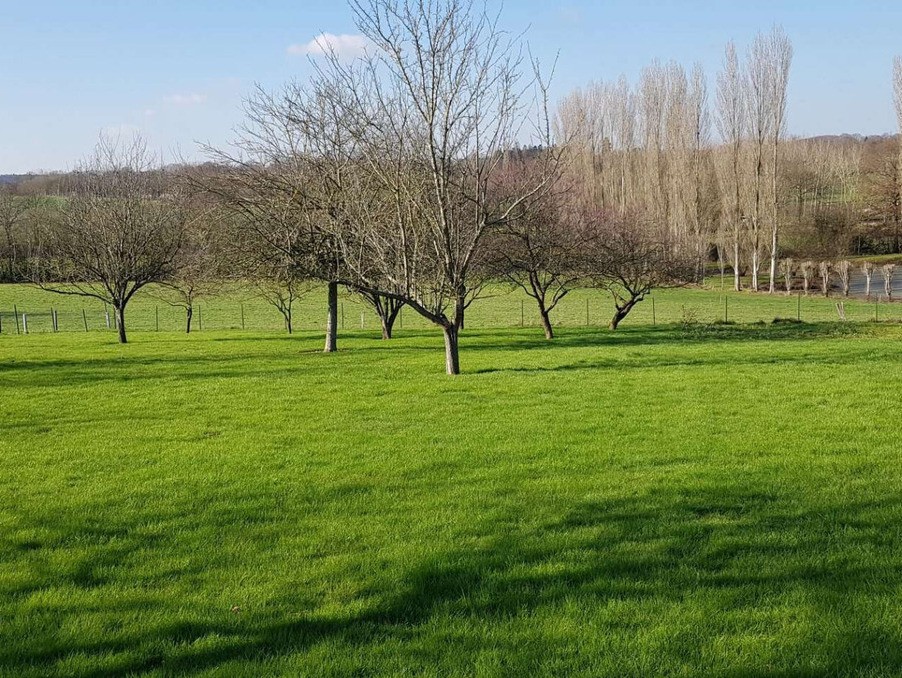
pixel 192 99
pixel 344 46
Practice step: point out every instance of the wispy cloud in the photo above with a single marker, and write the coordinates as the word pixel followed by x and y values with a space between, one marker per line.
pixel 193 99
pixel 343 46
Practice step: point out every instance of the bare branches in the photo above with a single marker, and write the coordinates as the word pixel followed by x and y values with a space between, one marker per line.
pixel 120 229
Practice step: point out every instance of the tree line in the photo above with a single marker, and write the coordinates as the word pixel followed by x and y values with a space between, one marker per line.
pixel 403 176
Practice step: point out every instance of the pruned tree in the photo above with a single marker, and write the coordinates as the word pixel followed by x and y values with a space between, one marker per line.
pixel 198 269
pixel 888 271
pixel 843 270
pixel 867 269
pixel 119 229
pixel 787 268
pixel 806 268
pixel 280 284
pixel 631 258
pixel 539 248
pixel 825 269
pixel 431 109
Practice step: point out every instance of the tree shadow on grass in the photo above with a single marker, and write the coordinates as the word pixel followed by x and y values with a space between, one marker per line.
pixel 703 568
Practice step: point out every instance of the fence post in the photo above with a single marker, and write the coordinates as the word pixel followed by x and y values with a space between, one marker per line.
pixel 521 313
pixel 16 316
pixel 726 308
pixel 587 311
pixel 799 308
pixel 401 317
pixel 242 315
pixel 24 322
pixel 84 317
pixel 654 317
pixel 342 315
pixel 156 316
pixel 877 308
pixel 200 319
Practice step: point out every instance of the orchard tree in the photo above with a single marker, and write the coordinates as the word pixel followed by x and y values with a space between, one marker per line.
pixel 426 118
pixel 119 229
pixel 631 258
pixel 539 248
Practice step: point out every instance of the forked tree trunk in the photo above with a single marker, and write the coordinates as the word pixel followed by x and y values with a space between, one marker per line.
pixel 452 360
pixel 332 321
pixel 388 322
pixel 189 313
pixel 120 323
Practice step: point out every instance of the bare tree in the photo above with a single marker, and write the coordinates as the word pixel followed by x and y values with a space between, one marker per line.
pixel 13 209
pixel 787 268
pixel 432 109
pixel 731 125
pixel 539 247
pixel 825 268
pixel 631 259
pixel 888 270
pixel 806 268
pixel 844 271
pixel 119 230
pixel 779 60
pixel 198 269
pixel 868 268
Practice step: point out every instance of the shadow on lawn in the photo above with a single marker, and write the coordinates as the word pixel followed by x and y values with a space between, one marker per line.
pixel 706 568
pixel 128 367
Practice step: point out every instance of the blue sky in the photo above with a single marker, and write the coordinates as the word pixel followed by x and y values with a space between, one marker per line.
pixel 177 70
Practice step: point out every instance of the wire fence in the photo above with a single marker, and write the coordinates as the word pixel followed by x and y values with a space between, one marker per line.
pixel 581 308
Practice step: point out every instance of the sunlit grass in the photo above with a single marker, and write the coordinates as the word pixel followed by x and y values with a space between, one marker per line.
pixel 656 501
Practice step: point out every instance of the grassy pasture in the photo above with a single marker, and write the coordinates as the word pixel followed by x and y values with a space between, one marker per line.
pixel 698 501
pixel 500 308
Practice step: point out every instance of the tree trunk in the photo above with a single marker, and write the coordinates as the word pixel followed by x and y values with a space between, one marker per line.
pixel 773 262
pixel 288 324
pixel 388 320
pixel 546 324
pixel 332 321
pixel 620 313
pixel 120 322
pixel 189 313
pixel 737 282
pixel 452 360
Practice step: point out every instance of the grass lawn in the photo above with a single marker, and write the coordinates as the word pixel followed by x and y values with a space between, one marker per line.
pixel 701 501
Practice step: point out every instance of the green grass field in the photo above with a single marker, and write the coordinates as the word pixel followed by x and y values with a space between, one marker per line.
pixel 663 500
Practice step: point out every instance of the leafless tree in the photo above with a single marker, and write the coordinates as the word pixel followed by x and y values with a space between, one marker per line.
pixel 867 269
pixel 13 209
pixel 432 109
pixel 631 258
pixel 806 268
pixel 198 269
pixel 539 247
pixel 825 269
pixel 779 60
pixel 888 270
pixel 787 268
pixel 119 230
pixel 731 125
pixel 844 272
